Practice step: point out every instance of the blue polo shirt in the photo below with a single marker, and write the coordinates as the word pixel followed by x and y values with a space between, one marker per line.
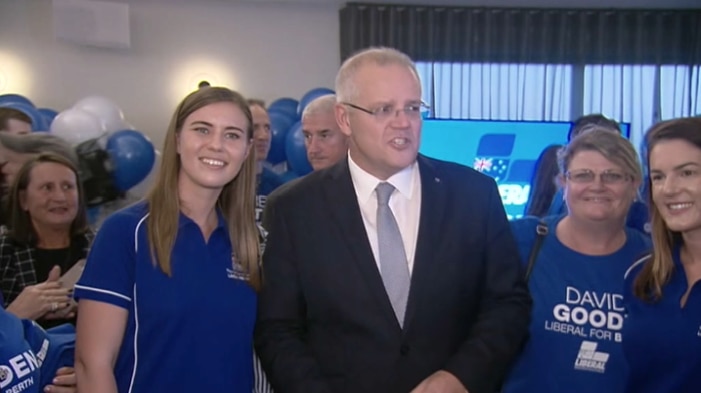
pixel 191 332
pixel 31 356
pixel 663 340
pixel 577 318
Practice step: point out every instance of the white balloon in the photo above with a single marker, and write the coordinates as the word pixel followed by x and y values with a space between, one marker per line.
pixel 77 126
pixel 140 190
pixel 106 110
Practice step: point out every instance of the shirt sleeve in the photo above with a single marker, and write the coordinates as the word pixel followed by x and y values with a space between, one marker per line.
pixel 109 270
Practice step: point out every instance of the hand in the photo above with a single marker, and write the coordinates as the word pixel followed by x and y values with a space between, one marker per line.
pixel 35 301
pixel 66 313
pixel 440 382
pixel 64 382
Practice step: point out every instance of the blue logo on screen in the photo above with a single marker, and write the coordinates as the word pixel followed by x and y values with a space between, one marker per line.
pixel 506 151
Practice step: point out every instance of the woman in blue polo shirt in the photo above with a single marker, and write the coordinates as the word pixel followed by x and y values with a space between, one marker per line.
pixel 663 329
pixel 167 300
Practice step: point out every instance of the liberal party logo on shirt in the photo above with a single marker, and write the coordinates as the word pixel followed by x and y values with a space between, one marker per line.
pixel 588 359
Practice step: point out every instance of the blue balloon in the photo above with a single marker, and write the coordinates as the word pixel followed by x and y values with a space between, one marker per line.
pixel 279 124
pixel 285 105
pixel 49 115
pixel 296 152
pixel 132 155
pixel 310 96
pixel 15 98
pixel 38 121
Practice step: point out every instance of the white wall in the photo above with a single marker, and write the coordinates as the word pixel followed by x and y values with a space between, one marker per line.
pixel 263 50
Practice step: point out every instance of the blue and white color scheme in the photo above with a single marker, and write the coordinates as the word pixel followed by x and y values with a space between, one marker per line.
pixel 29 355
pixel 504 150
pixel 578 315
pixel 663 339
pixel 191 332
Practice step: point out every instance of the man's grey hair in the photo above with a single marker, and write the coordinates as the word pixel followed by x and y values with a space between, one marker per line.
pixel 322 104
pixel 38 142
pixel 346 90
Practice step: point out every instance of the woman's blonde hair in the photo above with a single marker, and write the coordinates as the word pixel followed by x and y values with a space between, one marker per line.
pixel 658 269
pixel 236 201
pixel 611 145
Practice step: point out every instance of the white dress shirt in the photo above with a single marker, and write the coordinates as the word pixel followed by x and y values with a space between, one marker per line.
pixel 405 203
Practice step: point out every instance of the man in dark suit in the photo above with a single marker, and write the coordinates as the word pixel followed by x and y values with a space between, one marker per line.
pixel 389 272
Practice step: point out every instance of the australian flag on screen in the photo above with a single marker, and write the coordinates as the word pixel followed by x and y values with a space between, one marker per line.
pixel 493 155
pixel 492 166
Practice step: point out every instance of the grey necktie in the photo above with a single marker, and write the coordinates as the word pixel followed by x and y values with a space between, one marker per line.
pixel 393 263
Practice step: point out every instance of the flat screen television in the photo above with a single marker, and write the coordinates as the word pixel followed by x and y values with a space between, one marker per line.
pixel 504 150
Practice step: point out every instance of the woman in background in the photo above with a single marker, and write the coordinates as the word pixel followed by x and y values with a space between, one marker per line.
pixel 47 234
pixel 578 261
pixel 543 182
pixel 662 295
pixel 167 300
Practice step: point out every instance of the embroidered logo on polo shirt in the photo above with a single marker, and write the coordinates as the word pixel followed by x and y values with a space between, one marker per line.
pixel 238 272
pixel 698 333
pixel 588 359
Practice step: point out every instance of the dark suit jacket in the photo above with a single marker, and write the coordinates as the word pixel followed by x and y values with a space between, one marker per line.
pixel 325 323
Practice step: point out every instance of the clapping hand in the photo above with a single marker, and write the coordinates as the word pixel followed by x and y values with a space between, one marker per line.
pixel 47 299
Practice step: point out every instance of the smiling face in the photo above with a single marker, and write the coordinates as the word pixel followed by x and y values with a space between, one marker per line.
pixel 212 145
pixel 51 196
pixel 383 147
pixel 675 177
pixel 603 198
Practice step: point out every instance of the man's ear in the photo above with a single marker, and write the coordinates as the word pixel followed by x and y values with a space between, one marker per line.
pixel 342 118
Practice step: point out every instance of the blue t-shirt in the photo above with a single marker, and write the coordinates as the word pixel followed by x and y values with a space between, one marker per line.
pixel 663 340
pixel 268 181
pixel 577 317
pixel 31 356
pixel 191 332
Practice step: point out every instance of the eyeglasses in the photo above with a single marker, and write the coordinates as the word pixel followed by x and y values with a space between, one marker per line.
pixel 584 176
pixel 386 112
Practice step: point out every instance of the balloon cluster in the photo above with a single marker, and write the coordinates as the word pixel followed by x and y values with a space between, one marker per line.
pixel 287 144
pixel 113 157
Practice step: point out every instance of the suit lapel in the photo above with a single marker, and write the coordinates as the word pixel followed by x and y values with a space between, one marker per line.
pixel 433 208
pixel 342 203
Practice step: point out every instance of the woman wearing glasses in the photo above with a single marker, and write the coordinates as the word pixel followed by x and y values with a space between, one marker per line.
pixel 663 328
pixel 578 263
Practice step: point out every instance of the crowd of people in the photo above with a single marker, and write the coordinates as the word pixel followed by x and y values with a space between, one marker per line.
pixel 382 271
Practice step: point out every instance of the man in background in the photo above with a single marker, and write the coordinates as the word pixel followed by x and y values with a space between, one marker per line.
pixel 325 143
pixel 266 179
